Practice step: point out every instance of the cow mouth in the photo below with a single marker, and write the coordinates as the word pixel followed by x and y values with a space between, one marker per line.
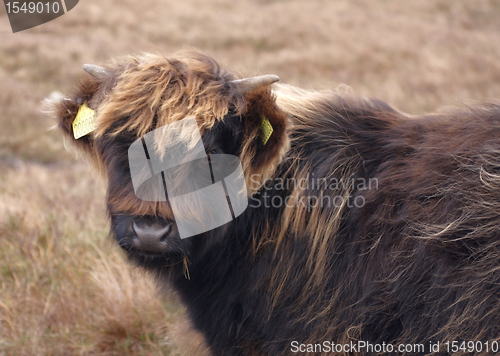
pixel 171 252
pixel 150 259
pixel 146 252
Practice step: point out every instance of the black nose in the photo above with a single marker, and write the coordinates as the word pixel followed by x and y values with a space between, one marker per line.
pixel 150 237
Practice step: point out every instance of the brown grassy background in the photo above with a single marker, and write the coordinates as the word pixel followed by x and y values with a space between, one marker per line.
pixel 64 287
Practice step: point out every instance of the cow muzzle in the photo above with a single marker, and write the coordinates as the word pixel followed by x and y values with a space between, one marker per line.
pixel 151 237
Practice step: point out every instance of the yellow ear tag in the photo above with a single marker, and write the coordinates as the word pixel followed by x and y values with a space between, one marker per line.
pixel 84 122
pixel 267 129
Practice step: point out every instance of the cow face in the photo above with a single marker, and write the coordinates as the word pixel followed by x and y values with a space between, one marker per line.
pixel 154 233
pixel 140 95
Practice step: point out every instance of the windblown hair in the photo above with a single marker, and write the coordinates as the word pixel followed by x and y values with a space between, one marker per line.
pixel 142 93
pixel 156 91
pixel 416 262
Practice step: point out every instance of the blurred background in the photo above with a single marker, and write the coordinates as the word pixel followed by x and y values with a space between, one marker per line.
pixel 65 288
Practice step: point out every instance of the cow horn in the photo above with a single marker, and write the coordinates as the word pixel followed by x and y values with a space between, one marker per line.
pixel 247 85
pixel 95 71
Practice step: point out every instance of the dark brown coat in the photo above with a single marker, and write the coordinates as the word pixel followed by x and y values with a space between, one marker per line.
pixel 408 253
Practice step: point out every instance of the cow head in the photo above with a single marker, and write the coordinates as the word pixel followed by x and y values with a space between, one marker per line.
pixel 135 96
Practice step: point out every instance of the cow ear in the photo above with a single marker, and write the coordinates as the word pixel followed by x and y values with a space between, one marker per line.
pixel 69 108
pixel 265 137
pixel 75 113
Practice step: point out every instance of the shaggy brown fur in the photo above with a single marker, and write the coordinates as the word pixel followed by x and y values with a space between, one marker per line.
pixel 418 261
pixel 155 91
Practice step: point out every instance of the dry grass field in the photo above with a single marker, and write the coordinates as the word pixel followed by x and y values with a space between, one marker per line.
pixel 65 288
